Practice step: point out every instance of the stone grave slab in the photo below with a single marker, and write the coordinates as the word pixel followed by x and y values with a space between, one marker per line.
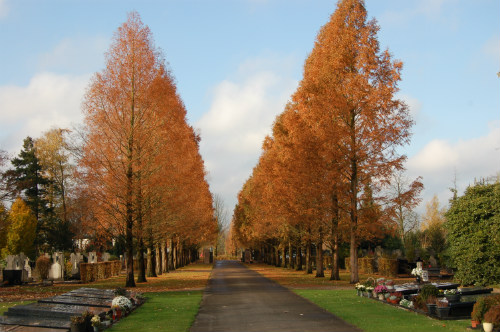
pixel 55 313
pixel 80 301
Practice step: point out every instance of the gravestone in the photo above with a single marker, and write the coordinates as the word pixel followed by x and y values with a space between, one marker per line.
pixel 56 271
pixel 27 268
pixel 433 262
pixel 105 256
pixel 92 257
pixel 75 259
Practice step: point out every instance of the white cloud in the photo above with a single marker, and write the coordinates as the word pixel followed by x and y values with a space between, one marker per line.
pixel 88 52
pixel 4 9
pixel 49 100
pixel 240 116
pixel 428 9
pixel 472 160
pixel 492 48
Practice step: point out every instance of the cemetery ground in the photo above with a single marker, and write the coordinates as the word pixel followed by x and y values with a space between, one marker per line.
pixel 174 299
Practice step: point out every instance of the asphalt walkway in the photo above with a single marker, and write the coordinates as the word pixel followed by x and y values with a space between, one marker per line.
pixel 239 299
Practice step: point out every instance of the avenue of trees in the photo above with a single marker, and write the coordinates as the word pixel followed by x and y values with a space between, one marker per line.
pixel 132 174
pixel 324 174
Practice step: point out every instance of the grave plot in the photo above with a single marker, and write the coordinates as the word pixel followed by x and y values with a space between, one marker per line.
pixel 54 313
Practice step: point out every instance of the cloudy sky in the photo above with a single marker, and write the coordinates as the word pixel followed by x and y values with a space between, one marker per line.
pixel 237 62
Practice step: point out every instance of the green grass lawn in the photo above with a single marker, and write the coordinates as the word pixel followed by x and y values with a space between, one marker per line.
pixel 4 306
pixel 165 311
pixel 373 316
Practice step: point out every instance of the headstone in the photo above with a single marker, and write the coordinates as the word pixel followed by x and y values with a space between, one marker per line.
pixel 27 268
pixel 12 262
pixel 105 256
pixel 433 262
pixel 92 257
pixel 56 271
pixel 425 276
pixel 76 259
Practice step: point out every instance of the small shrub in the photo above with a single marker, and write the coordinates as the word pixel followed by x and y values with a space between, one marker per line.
pixel 428 290
pixel 479 309
pixel 119 291
pixel 493 315
pixel 43 266
pixel 419 303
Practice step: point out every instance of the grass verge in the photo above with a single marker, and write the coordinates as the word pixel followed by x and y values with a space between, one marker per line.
pixel 4 306
pixel 373 316
pixel 165 311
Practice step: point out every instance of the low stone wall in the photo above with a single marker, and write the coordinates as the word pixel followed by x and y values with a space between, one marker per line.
pixel 97 271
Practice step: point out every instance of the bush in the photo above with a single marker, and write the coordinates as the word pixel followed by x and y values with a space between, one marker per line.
pixel 482 305
pixel 427 291
pixel 493 315
pixel 388 267
pixel 473 223
pixel 366 265
pixel 43 266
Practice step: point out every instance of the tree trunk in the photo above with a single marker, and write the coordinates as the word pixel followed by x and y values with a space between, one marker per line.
pixel 334 238
pixel 129 243
pixel 298 258
pixel 158 260
pixel 164 265
pixel 319 259
pixel 149 266
pixel 290 255
pixel 335 259
pixel 354 257
pixel 308 258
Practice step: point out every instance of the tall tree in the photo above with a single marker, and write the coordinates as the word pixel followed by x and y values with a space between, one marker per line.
pixel 118 108
pixel 349 90
pixel 21 230
pixel 27 180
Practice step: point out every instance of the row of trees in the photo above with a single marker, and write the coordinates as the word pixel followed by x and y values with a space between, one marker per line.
pixel 324 174
pixel 137 172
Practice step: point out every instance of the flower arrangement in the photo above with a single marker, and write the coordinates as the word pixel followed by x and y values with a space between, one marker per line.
pixel 452 292
pixel 442 304
pixel 406 303
pixel 121 302
pixel 360 287
pixel 380 281
pixel 417 272
pixel 96 321
pixel 380 289
pixel 369 289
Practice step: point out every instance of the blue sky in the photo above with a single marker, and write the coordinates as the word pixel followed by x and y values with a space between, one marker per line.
pixel 236 63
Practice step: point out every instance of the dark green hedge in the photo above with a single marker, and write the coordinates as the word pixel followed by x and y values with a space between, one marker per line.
pixel 473 223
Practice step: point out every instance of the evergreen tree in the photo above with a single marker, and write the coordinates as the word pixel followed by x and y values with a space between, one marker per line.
pixel 28 181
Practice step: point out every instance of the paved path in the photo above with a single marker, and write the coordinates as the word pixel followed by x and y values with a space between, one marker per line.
pixel 239 299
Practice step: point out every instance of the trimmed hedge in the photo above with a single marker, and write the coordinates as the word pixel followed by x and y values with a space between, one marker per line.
pixel 388 267
pixel 98 271
pixel 365 265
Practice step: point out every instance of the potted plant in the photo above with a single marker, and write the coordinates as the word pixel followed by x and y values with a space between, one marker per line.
pixel 369 290
pixel 78 324
pixel 380 290
pixel 120 306
pixel 431 305
pixel 96 323
pixel 406 303
pixel 452 295
pixel 417 272
pixel 360 288
pixel 491 318
pixel 478 311
pixel 442 309
pixel 390 285
pixel 428 290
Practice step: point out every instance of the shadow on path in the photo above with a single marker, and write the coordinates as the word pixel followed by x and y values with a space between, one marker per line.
pixel 239 299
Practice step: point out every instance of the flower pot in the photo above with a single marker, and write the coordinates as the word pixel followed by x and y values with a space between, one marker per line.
pixel 381 296
pixel 431 309
pixel 387 295
pixel 78 327
pixel 358 292
pixel 453 298
pixel 475 323
pixel 487 327
pixel 443 312
pixel 370 294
